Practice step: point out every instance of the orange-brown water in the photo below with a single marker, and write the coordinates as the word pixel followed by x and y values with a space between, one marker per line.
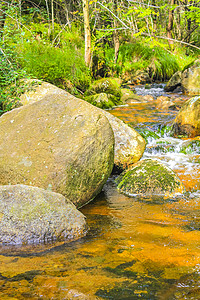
pixel 137 248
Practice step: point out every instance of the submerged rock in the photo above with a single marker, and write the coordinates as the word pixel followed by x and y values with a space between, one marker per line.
pixel 148 98
pixel 187 122
pixel 164 103
pixel 129 144
pixel 60 143
pixel 149 177
pixel 32 215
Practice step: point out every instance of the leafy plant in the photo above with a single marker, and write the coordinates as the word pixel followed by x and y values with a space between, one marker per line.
pixel 10 87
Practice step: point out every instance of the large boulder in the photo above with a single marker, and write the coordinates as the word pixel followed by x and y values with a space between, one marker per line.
pixel 129 144
pixel 191 79
pixel 149 177
pixel 35 90
pixel 60 143
pixel 188 80
pixel 33 215
pixel 187 122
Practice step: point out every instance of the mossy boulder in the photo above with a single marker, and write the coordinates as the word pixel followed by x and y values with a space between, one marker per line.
pixel 32 215
pixel 129 144
pixel 127 95
pixel 60 143
pixel 103 100
pixel 187 122
pixel 109 86
pixel 149 177
pixel 174 82
pixel 141 77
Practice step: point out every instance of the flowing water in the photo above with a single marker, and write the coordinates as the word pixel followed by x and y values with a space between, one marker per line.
pixel 136 248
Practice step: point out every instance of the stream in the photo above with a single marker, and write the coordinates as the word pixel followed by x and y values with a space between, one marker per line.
pixel 136 248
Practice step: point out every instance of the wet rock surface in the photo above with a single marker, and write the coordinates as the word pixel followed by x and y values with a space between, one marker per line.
pixel 29 215
pixel 149 177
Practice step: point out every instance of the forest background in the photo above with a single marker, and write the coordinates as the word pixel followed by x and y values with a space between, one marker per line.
pixel 72 43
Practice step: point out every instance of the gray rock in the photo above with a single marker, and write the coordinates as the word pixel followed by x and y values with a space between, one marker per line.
pixel 31 215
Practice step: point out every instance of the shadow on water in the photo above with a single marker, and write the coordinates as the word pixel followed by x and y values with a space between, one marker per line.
pixel 136 248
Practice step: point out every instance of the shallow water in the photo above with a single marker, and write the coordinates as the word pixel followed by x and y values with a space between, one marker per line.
pixel 137 248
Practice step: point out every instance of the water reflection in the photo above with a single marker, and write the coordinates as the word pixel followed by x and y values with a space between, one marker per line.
pixel 136 248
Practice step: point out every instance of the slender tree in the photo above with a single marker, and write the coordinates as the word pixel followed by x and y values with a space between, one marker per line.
pixel 87 33
pixel 170 23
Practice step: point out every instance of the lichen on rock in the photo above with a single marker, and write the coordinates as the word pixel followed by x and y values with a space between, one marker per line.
pixel 60 142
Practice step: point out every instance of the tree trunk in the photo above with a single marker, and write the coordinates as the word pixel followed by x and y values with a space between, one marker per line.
pixel 87 33
pixel 170 23
pixel 116 33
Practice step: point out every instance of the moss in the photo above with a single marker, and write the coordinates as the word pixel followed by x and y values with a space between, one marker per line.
pixel 103 100
pixel 105 85
pixel 149 177
pixel 147 133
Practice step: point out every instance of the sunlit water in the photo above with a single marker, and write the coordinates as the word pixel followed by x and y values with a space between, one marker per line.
pixel 137 248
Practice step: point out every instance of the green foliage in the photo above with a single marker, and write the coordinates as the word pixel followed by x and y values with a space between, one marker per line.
pixel 53 64
pixel 10 88
pixel 141 55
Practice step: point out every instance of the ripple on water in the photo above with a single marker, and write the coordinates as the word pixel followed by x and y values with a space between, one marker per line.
pixel 136 248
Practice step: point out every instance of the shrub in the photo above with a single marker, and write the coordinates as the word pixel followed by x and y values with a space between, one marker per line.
pixel 54 64
pixel 10 76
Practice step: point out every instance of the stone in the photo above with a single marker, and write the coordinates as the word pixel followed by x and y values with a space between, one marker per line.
pixel 30 215
pixel 187 121
pixel 191 146
pixel 106 85
pixel 36 90
pixel 188 80
pixel 127 95
pixel 148 98
pixel 174 82
pixel 103 100
pixel 164 103
pixel 129 144
pixel 141 77
pixel 59 143
pixel 191 79
pixel 149 177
